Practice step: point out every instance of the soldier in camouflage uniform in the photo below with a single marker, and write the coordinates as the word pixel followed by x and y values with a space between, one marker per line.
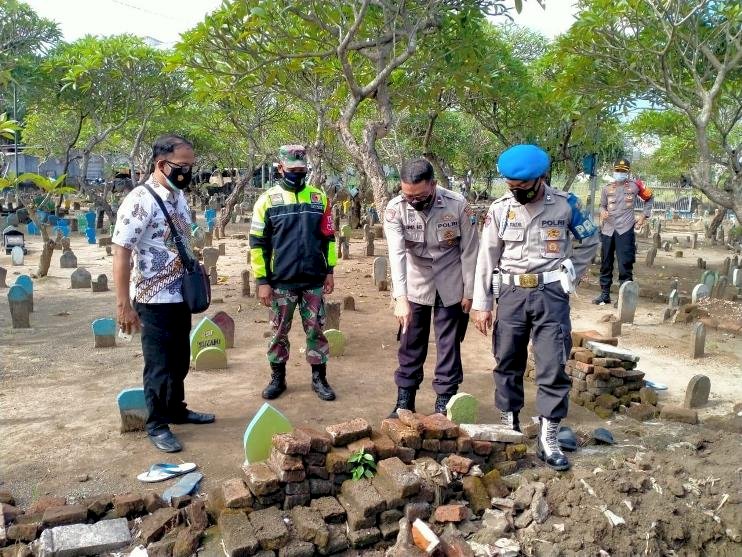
pixel 293 254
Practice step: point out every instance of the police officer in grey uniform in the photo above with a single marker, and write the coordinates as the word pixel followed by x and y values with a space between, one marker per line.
pixel 617 223
pixel 432 238
pixel 528 264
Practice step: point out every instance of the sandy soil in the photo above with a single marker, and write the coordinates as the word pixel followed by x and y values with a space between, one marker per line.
pixel 59 424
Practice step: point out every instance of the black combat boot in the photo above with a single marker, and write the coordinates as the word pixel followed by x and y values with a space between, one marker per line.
pixel 604 298
pixel 405 401
pixel 510 420
pixel 441 401
pixel 278 382
pixel 548 448
pixel 320 384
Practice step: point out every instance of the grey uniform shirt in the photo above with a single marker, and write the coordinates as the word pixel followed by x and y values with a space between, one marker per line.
pixel 532 238
pixel 433 252
pixel 618 200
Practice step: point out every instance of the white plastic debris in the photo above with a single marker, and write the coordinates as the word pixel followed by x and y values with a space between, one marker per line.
pixel 629 505
pixel 612 517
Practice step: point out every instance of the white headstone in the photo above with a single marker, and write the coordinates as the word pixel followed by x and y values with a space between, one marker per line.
pixel 737 278
pixel 628 298
pixel 380 266
pixel 16 255
pixel 673 300
pixel 700 291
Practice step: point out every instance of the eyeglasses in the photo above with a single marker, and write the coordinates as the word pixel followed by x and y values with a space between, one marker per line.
pixel 182 167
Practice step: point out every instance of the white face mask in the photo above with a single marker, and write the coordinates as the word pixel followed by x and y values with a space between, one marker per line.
pixel 620 176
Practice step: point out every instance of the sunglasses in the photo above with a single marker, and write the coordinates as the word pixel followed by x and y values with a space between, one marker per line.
pixel 181 167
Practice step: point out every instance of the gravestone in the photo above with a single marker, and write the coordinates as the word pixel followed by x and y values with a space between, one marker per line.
pixel 701 263
pixel 380 270
pixel 463 408
pixel 12 220
pixel 675 240
pixel 104 332
pixel 258 438
pixel 349 303
pixel 17 255
pixel 104 241
pixel 720 234
pixel 628 298
pixel 368 236
pixel 208 238
pixel 222 249
pixel 33 230
pixel 379 231
pixel 736 278
pixel 80 278
pixel 721 288
pixel 673 300
pixel 678 254
pixel 666 246
pixel 213 276
pixel 75 205
pixel 206 334
pixel 700 291
pixel 246 283
pixel 223 320
pixel 20 307
pixel 656 240
pixel 100 284
pixel 133 409
pixel 210 255
pixel 651 254
pixel 698 340
pixel 332 315
pixel 735 261
pixel 90 235
pixel 725 266
pixel 345 234
pixel 709 279
pixel 336 340
pixel 3 275
pixel 210 358
pixel 199 237
pixel 25 282
pixel 694 241
pixel 109 250
pixel 697 392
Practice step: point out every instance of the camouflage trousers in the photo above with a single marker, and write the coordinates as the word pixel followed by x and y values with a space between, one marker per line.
pixel 312 312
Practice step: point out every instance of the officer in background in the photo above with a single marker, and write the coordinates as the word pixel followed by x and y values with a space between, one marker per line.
pixel 528 264
pixel 617 227
pixel 293 255
pixel 432 237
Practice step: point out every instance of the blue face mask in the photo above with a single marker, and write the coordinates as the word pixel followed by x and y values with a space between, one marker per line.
pixel 620 176
pixel 294 181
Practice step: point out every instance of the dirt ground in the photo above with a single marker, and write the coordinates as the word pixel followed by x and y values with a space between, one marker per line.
pixel 59 424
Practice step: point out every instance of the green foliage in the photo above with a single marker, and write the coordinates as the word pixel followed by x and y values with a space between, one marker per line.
pixel 8 127
pixel 362 464
pixel 23 36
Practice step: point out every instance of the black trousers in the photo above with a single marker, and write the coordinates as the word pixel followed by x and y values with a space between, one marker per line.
pixel 413 348
pixel 166 348
pixel 623 246
pixel 541 314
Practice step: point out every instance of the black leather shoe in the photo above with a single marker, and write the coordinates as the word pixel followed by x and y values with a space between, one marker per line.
pixel 278 382
pixel 441 401
pixel 405 401
pixel 603 299
pixel 166 442
pixel 320 384
pixel 548 449
pixel 192 417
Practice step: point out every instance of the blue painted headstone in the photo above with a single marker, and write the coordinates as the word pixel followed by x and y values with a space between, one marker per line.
pixel 104 331
pixel 210 225
pixel 90 219
pixel 25 282
pixel 43 216
pixel 63 229
pixel 53 220
pixel 90 233
pixel 133 409
pixel 210 214
pixel 19 301
pixel 33 229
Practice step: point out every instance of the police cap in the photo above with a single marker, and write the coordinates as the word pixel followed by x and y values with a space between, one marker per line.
pixel 622 165
pixel 523 162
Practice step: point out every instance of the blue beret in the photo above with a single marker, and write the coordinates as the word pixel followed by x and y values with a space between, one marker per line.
pixel 523 162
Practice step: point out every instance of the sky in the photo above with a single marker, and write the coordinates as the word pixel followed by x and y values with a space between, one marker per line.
pixel 164 20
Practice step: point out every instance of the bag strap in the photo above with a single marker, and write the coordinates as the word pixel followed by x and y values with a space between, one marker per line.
pixel 177 238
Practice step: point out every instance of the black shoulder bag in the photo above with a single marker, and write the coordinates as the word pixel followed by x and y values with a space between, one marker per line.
pixel 196 288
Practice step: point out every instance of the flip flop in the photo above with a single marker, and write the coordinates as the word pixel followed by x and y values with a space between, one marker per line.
pixel 185 486
pixel 655 386
pixel 164 471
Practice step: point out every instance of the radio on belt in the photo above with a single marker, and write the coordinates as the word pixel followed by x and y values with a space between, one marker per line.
pixel 496 280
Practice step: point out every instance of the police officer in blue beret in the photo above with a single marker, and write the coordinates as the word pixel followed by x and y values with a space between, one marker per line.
pixel 535 246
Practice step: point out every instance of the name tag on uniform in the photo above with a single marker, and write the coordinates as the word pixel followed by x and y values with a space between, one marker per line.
pixel 276 199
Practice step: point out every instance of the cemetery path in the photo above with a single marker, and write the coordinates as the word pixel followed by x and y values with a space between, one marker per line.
pixel 59 422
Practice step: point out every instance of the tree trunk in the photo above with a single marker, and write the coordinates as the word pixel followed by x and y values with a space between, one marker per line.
pixel 439 171
pixel 45 259
pixel 716 223
pixel 225 214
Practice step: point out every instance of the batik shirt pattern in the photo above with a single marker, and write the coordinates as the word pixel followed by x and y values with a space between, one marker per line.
pixel 142 227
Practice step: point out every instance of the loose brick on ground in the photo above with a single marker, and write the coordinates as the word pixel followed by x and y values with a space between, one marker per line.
pixel 319 441
pixel 385 447
pixel 451 513
pixel 261 479
pixel 154 526
pixel 400 477
pixel 438 426
pixel 128 505
pixel 270 528
pixel 61 516
pixel 347 432
pixel 238 534
pixel 363 497
pixel 401 434
pixel 459 464
pixel 310 526
pixel 330 509
pixel 236 494
pixel 296 443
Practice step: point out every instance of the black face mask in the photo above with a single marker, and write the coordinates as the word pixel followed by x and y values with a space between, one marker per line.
pixel 294 181
pixel 423 204
pixel 526 196
pixel 179 178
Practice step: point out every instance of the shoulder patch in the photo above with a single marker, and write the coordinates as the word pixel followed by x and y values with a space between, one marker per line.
pixel 276 199
pixel 390 215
